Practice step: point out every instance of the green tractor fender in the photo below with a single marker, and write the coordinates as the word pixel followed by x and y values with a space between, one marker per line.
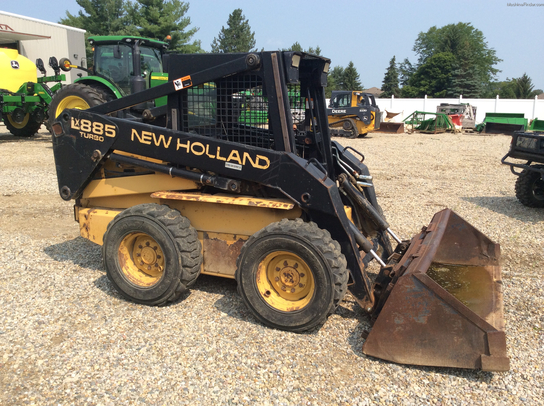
pixel 93 81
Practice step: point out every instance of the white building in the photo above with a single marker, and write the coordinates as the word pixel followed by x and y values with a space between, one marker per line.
pixel 35 38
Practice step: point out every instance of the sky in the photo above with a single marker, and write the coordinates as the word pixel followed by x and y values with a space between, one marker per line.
pixel 367 33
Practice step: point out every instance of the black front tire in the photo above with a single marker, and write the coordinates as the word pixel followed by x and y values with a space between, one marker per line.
pixel 530 188
pixel 74 96
pixel 152 254
pixel 292 275
pixel 27 128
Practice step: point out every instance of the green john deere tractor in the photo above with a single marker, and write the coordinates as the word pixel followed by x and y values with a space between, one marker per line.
pixel 122 65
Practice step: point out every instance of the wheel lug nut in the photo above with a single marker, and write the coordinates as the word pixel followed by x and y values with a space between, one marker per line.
pixel 140 246
pixel 155 247
pixel 147 244
pixel 276 278
pixel 156 265
pixel 292 290
pixel 285 263
pixel 158 257
pixel 302 275
pixel 295 266
pixel 149 267
pixel 277 269
pixel 300 285
pixel 141 262
pixel 283 288
pixel 138 254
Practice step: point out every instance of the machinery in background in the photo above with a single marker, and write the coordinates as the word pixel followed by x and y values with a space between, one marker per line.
pixel 352 114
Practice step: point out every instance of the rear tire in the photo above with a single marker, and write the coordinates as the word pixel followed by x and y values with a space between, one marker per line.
pixel 76 96
pixel 27 128
pixel 292 275
pixel 530 188
pixel 152 254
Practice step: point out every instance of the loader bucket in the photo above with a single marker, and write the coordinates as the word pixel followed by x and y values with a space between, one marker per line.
pixel 443 306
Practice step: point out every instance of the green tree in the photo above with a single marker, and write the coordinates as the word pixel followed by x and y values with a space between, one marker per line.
pixel 524 88
pixel 390 85
pixel 351 79
pixel 237 37
pixel 503 89
pixel 158 18
pixel 474 61
pixel 297 47
pixel 406 70
pixel 335 80
pixel 100 17
pixel 432 78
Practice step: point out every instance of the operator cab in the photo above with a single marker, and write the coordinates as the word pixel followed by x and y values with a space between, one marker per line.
pixel 115 57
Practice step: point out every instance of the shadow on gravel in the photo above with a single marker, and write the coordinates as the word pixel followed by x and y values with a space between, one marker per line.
pixel 78 251
pixel 508 206
pixel 8 137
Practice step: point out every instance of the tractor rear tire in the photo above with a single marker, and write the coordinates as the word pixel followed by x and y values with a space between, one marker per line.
pixel 27 128
pixel 530 188
pixel 152 254
pixel 74 96
pixel 292 275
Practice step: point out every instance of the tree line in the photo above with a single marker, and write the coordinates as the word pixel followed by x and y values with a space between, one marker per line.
pixel 452 60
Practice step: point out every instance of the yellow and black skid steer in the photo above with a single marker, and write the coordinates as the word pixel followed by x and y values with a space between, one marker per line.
pixel 289 214
pixel 353 114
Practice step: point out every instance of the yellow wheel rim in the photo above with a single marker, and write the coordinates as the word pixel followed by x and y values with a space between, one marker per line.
pixel 71 102
pixel 141 259
pixel 285 281
pixel 20 125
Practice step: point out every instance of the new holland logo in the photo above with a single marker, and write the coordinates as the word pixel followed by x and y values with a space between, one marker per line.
pixel 15 64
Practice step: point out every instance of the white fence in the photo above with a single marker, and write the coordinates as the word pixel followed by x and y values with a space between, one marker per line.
pixel 531 108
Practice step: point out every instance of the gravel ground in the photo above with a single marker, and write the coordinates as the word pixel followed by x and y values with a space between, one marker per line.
pixel 67 337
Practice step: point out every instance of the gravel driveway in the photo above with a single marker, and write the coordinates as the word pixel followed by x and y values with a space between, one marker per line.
pixel 67 338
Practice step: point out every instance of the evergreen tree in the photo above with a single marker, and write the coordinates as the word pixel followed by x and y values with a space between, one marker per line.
pixel 297 47
pixel 237 37
pixel 524 88
pixel 315 51
pixel 100 17
pixel 406 70
pixel 351 80
pixel 390 85
pixel 158 18
pixel 335 80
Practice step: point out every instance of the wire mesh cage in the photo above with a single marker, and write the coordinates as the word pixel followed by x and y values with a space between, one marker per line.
pixel 234 108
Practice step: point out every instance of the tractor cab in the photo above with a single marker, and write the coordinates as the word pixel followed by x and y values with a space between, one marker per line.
pixel 128 62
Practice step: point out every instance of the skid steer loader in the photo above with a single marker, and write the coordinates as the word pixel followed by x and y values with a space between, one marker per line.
pixel 280 208
pixel 353 114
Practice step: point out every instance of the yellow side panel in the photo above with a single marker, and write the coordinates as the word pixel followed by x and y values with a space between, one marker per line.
pixel 129 185
pixel 229 219
pixel 271 203
pixel 93 223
